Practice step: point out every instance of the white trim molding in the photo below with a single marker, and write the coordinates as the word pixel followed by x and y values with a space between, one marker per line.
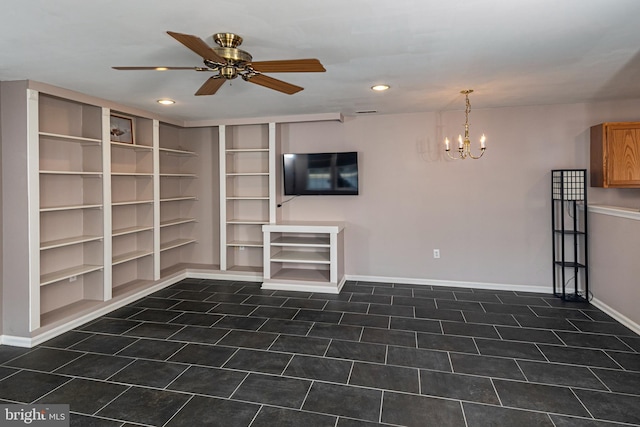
pixel 628 213
pixel 616 315
pixel 453 283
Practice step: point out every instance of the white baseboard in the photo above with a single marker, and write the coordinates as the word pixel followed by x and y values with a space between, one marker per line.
pixel 617 315
pixel 15 341
pixel 452 283
pixel 302 286
pixel 224 275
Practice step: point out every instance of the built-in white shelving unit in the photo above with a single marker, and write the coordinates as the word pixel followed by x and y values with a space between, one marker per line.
pixel 95 224
pixel 178 157
pixel 71 261
pixel 247 193
pixel 304 256
pixel 132 209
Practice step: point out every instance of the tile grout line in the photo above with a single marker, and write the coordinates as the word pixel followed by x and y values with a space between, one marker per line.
pixel 306 395
pixel 129 387
pixel 180 409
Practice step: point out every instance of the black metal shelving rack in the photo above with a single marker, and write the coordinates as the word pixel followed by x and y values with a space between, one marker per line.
pixel 569 226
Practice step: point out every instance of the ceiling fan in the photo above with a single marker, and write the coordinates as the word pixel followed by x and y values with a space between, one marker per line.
pixel 229 62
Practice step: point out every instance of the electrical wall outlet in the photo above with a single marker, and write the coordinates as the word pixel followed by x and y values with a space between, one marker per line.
pixel 73 278
pixel 436 253
pixel 241 248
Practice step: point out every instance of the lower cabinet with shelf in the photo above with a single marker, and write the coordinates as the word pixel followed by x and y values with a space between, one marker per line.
pixel 304 256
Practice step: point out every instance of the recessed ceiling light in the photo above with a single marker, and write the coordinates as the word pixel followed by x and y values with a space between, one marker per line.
pixel 380 88
pixel 166 101
pixel 161 68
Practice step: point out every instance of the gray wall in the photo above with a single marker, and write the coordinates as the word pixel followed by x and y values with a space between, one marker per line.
pixel 490 218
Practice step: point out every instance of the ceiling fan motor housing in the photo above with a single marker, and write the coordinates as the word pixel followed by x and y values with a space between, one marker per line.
pixel 228 72
pixel 233 55
pixel 227 39
pixel 236 59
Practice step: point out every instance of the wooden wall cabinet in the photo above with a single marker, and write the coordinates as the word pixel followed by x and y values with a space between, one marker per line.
pixel 615 155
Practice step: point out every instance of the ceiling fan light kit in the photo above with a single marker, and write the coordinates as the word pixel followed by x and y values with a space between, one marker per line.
pixel 228 62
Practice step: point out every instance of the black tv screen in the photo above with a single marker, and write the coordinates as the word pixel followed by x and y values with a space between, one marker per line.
pixel 320 174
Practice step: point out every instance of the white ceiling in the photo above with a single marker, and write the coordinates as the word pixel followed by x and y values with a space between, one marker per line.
pixel 518 52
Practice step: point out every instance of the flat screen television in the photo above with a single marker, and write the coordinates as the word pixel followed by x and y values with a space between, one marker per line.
pixel 320 174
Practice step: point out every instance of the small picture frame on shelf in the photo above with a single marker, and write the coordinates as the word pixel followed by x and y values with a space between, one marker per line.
pixel 121 129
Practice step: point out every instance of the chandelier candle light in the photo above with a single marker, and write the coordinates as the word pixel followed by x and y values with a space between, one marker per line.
pixel 464 145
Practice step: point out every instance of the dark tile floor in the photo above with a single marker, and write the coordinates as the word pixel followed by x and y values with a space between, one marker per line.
pixel 217 353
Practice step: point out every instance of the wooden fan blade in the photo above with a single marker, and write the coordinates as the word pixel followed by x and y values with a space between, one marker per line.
pixel 161 68
pixel 289 66
pixel 198 45
pixel 275 84
pixel 211 86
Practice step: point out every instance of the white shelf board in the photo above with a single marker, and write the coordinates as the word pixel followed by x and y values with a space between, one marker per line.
pixel 58 243
pixel 132 202
pixel 69 311
pixel 247 150
pixel 70 207
pixel 246 243
pixel 304 227
pixel 232 174
pixel 136 147
pixel 142 174
pixel 67 273
pixel 177 221
pixel 247 221
pixel 71 138
pixel 303 275
pixel 178 175
pixel 175 244
pixel 178 199
pixel 130 256
pixel 306 257
pixel 130 230
pixel 248 198
pixel 302 241
pixel 74 173
pixel 177 152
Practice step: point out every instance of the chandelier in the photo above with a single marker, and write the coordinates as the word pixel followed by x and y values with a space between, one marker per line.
pixel 464 145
